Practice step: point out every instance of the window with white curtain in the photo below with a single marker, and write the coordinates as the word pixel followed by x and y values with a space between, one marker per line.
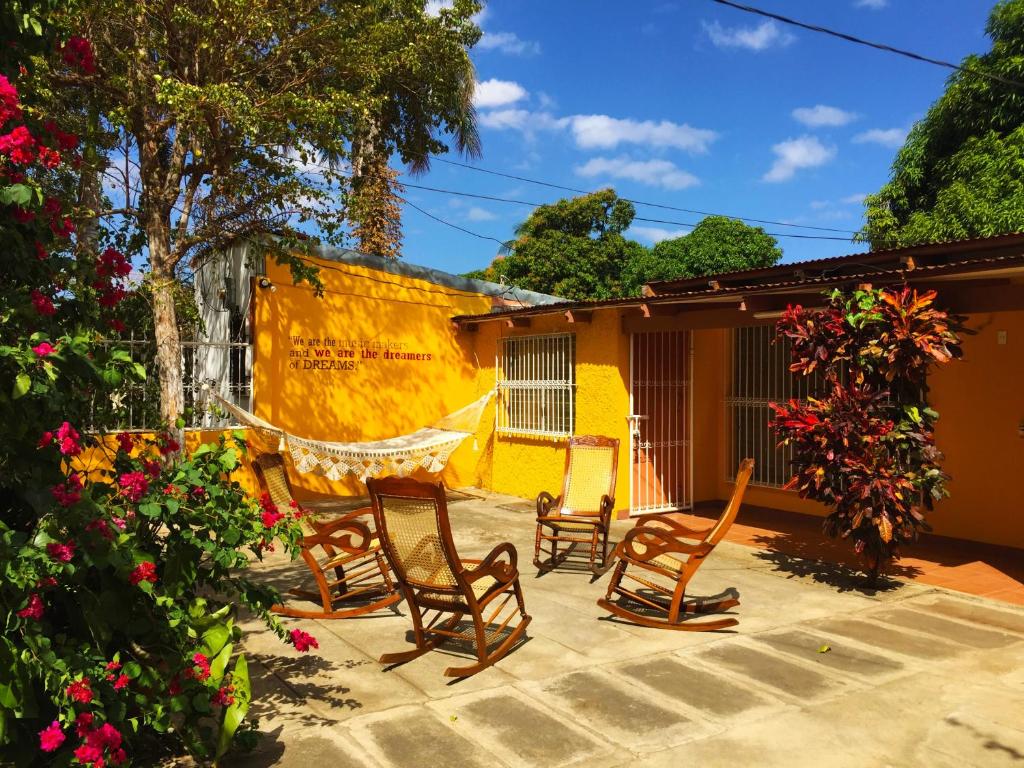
pixel 537 385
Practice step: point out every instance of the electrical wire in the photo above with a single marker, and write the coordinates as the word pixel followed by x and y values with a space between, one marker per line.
pixel 869 43
pixel 631 200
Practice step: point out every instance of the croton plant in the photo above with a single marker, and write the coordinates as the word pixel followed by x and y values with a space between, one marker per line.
pixel 865 444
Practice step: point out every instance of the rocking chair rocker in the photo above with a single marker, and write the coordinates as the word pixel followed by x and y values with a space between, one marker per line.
pixel 656 547
pixel 353 578
pixel 416 534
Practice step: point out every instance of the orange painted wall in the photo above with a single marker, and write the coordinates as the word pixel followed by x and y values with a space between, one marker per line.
pixel 379 397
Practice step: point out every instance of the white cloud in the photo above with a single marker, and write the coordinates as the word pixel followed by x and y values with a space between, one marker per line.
pixel 765 35
pixel 794 154
pixel 508 42
pixel 887 137
pixel 821 115
pixel 819 205
pixel 855 199
pixel 656 234
pixel 434 7
pixel 604 132
pixel 655 173
pixel 479 214
pixel 523 120
pixel 497 93
pixel 872 4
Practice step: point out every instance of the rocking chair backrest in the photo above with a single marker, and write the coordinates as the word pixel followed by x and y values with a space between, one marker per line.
pixel 717 533
pixel 412 521
pixel 590 468
pixel 273 478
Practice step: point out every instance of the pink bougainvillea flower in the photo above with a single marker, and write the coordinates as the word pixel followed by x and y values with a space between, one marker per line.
pixel 69 493
pixel 125 442
pixel 152 468
pixel 112 666
pixel 171 490
pixel 51 737
pixel 23 215
pixel 42 304
pixel 49 158
pixel 113 263
pixel 117 325
pixel 61 552
pixel 198 492
pixel 100 526
pixel 19 145
pixel 46 581
pixel 41 253
pixel 168 444
pixel 144 571
pixel 121 682
pixel 134 485
pixel 200 669
pixel 10 109
pixel 80 691
pixel 45 440
pixel 223 696
pixel 44 349
pixel 83 724
pixel 77 53
pixel 303 641
pixel 34 609
pixel 67 438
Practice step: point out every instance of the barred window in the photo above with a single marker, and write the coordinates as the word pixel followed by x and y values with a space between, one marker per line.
pixel 759 374
pixel 537 385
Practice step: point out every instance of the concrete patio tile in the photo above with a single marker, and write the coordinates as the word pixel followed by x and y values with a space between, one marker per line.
pixel 620 712
pixel 768 669
pixel 522 732
pixel 841 656
pixel 685 682
pixel 974 612
pixel 426 674
pixel 956 631
pixel 885 638
pixel 414 737
pixel 324 747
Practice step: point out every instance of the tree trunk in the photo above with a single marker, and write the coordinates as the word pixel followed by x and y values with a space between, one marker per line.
pixel 165 328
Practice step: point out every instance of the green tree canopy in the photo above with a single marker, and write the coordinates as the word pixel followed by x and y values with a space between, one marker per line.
pixel 572 248
pixel 961 171
pixel 717 244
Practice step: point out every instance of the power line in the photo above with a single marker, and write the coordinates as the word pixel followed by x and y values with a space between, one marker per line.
pixel 496 199
pixel 869 43
pixel 638 202
pixel 453 226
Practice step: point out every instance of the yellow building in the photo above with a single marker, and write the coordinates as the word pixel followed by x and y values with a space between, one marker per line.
pixel 682 376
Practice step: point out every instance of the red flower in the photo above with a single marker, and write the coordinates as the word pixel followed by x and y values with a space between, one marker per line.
pixel 51 737
pixel 168 444
pixel 303 641
pixel 80 691
pixel 9 106
pixel 43 304
pixel 134 485
pixel 44 349
pixel 111 296
pixel 77 53
pixel 67 438
pixel 174 687
pixel 19 145
pixel 116 325
pixel 125 442
pixel 223 696
pixel 121 682
pixel 100 526
pixel 198 492
pixel 63 228
pixel 61 552
pixel 22 215
pixel 41 253
pixel 200 663
pixel 46 581
pixel 69 493
pixel 171 489
pixel 144 571
pixel 83 724
pixel 49 158
pixel 152 468
pixel 270 518
pixel 113 263
pixel 34 609
pixel 45 440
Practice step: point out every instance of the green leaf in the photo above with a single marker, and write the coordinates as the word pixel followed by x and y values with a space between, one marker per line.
pixel 235 712
pixel 16 194
pixel 214 639
pixel 22 384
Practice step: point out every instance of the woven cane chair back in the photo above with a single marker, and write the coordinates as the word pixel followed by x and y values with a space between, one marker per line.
pixel 271 471
pixel 590 474
pixel 411 528
pixel 717 533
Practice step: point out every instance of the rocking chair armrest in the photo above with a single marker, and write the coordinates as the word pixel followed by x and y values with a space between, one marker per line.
pixel 654 542
pixel 490 567
pixel 677 528
pixel 607 507
pixel 358 538
pixel 545 502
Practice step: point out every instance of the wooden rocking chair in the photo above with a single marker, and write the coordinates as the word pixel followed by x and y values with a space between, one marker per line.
pixel 582 513
pixel 350 572
pixel 656 548
pixel 412 518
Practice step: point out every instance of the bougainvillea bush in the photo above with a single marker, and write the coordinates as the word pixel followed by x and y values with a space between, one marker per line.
pixel 122 560
pixel 865 445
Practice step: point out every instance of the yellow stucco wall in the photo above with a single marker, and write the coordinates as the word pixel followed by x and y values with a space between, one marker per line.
pixel 364 396
pixel 525 466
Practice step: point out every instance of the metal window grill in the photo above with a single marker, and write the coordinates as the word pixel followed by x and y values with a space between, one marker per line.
pixel 221 367
pixel 536 380
pixel 759 374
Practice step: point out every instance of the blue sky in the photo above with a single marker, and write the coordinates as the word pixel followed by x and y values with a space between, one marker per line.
pixel 691 104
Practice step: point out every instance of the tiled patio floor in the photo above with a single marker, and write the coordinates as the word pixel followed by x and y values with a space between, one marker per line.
pixel 914 675
pixel 964 566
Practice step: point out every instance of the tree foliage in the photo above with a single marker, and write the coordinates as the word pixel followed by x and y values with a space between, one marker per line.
pixel 865 445
pixel 961 171
pixel 717 244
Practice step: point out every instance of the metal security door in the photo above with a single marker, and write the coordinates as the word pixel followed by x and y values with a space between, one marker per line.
pixel 660 399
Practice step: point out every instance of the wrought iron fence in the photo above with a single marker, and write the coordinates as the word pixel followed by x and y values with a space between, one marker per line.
pixel 221 367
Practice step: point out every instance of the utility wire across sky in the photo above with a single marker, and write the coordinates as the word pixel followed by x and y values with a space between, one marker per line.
pixel 869 43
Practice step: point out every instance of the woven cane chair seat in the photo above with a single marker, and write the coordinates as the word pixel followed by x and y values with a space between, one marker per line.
pixel 572 525
pixel 480 588
pixel 590 476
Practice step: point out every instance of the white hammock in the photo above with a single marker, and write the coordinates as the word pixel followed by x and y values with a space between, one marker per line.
pixel 430 447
